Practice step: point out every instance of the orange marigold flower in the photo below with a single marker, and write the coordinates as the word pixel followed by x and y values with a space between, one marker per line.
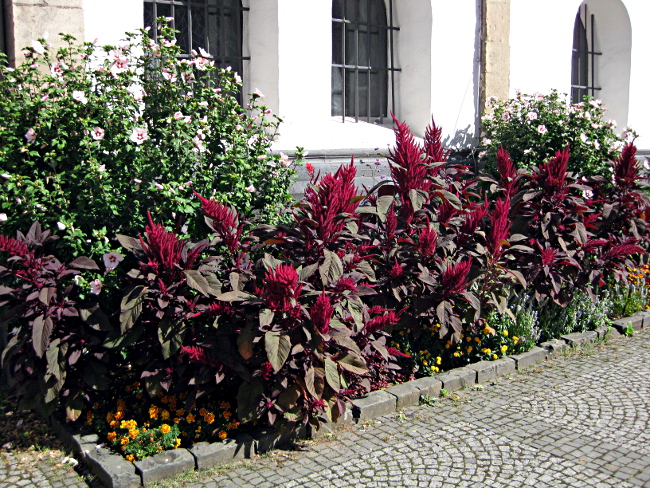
pixel 164 428
pixel 223 434
pixel 190 418
pixel 225 405
pixel 209 418
pixel 109 417
pixel 134 433
pixel 124 441
pixel 119 415
pixel 203 412
pixel 114 424
pixel 153 412
pixel 164 414
pixel 111 436
pixel 177 420
pixel 180 412
pixel 227 414
pixel 130 458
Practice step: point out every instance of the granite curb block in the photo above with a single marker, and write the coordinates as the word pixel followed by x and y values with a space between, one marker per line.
pixel 116 472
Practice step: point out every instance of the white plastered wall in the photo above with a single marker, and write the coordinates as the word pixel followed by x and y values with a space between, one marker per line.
pixel 109 21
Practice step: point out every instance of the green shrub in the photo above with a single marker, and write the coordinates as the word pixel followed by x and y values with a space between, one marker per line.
pixel 524 332
pixel 533 127
pixel 631 295
pixel 93 137
pixel 580 314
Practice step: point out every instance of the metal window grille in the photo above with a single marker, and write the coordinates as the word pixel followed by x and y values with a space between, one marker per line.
pixel 214 25
pixel 363 68
pixel 583 60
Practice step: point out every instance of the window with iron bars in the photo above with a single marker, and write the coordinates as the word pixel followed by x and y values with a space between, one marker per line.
pixel 214 25
pixel 583 59
pixel 363 68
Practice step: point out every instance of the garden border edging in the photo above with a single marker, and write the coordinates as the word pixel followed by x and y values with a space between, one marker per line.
pixel 116 472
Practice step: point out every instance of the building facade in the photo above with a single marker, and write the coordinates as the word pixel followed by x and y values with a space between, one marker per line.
pixel 335 70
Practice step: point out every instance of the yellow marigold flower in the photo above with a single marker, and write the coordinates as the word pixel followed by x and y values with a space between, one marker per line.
pixel 164 414
pixel 456 354
pixel 153 412
pixel 134 433
pixel 505 333
pixel 209 417
pixel 469 349
pixel 438 360
pixel 177 443
pixel 477 339
pixel 515 339
pixel 504 348
pixel 129 457
pixel 164 428
pixel 223 434
pixel 494 356
pixel 111 436
pixel 190 418
pixel 425 362
pixel 487 330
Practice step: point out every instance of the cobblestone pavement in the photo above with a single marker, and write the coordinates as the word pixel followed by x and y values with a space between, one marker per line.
pixel 576 421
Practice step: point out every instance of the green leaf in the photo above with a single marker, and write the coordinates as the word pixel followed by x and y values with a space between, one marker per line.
pixel 305 272
pixel 83 262
pixel 278 347
pixel 129 243
pixel 170 334
pixel 332 375
pixel 418 198
pixel 131 307
pixel 235 296
pixel 266 317
pixel 332 268
pixel 367 269
pixel 41 331
pixel 383 205
pixel 352 362
pixel 197 281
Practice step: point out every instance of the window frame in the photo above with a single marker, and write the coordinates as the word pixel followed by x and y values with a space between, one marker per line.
pixel 583 59
pixel 353 67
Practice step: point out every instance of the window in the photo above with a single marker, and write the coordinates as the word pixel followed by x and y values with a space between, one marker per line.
pixel 363 72
pixel 583 60
pixel 214 25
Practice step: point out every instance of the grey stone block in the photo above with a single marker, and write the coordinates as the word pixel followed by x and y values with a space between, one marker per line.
pixel 485 371
pixel 112 469
pixel 428 385
pixel 458 378
pixel 645 318
pixel 406 395
pixel 505 366
pixel 164 465
pixel 76 440
pixel 636 321
pixel 373 405
pixel 578 338
pixel 530 358
pixel 554 347
pixel 268 439
pixel 329 427
pixel 207 455
pixel 608 332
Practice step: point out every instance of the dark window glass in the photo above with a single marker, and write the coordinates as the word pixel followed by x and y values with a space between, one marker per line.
pixel 583 58
pixel 214 25
pixel 361 60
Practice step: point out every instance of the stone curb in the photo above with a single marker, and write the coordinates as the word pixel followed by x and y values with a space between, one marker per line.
pixel 116 472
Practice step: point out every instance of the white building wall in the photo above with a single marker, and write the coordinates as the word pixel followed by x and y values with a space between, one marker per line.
pixel 639 11
pixel 109 21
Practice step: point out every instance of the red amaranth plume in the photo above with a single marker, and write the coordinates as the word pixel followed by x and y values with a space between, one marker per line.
pixel 321 313
pixel 281 288
pixel 13 246
pixel 549 256
pixel 626 167
pixel 433 147
pixel 408 171
pixel 162 248
pixel 427 240
pixel 331 196
pixel 391 223
pixel 499 227
pixel 454 278
pixel 618 251
pixel 225 221
pixel 396 352
pixel 507 172
pixel 446 212
pixel 199 355
pixel 473 219
pixel 380 322
pixel 552 173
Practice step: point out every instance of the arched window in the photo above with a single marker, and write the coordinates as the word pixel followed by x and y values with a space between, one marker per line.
pixel 362 59
pixel 583 59
pixel 214 25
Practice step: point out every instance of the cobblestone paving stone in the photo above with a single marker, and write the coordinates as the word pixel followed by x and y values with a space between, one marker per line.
pixel 577 421
pixel 15 472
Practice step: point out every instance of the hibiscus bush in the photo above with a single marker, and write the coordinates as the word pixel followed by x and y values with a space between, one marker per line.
pixel 533 127
pixel 93 137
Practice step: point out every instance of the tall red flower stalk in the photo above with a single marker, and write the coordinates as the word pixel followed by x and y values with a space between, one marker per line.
pixel 408 169
pixel 626 168
pixel 552 173
pixel 163 248
pixel 225 221
pixel 332 196
pixel 13 246
pixel 433 147
pixel 281 288
pixel 454 278
pixel 321 313
pixel 507 172
pixel 499 228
